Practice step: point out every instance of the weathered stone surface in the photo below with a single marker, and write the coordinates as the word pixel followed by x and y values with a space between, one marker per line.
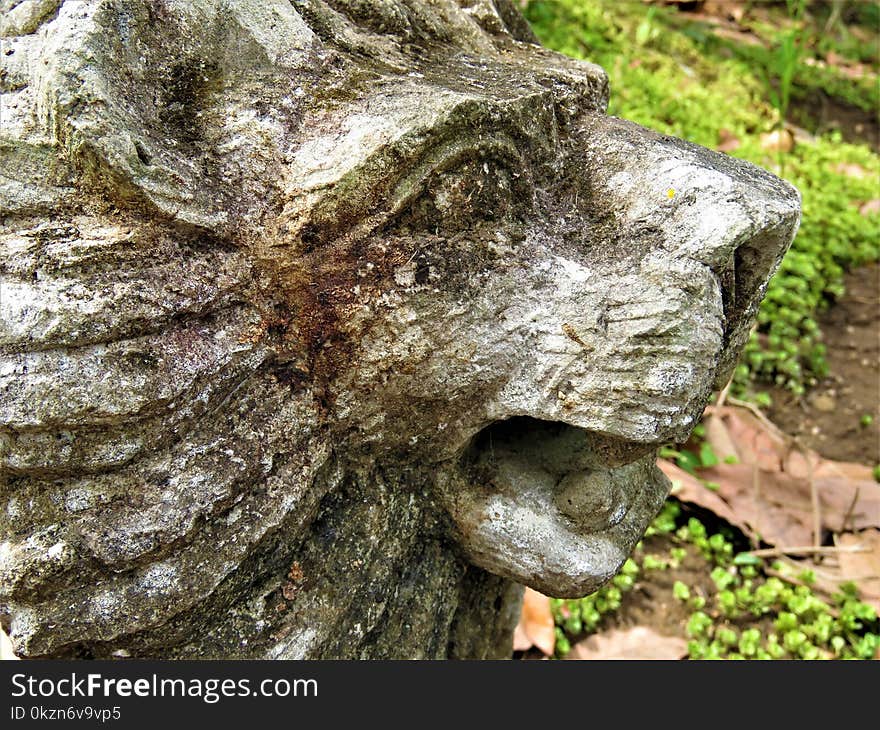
pixel 326 325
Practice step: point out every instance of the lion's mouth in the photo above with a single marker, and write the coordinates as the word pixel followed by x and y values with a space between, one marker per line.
pixel 579 472
pixel 551 505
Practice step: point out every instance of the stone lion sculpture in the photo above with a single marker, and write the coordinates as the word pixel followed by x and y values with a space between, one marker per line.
pixel 328 324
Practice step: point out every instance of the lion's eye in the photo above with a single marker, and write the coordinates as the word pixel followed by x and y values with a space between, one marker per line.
pixel 458 198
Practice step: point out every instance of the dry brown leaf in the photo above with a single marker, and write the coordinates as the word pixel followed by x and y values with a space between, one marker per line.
pixel 734 11
pixel 801 135
pixel 865 35
pixel 870 206
pixel 688 488
pixel 842 470
pixel 780 140
pixel 753 441
pixel 639 642
pixel 739 36
pixel 850 169
pixel 718 438
pixel 832 58
pixel 862 568
pixel 727 141
pixel 536 626
pixel 768 492
pixel 847 66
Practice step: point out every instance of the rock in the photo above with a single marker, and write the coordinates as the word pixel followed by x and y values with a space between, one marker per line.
pixel 316 318
pixel 779 140
pixel 824 402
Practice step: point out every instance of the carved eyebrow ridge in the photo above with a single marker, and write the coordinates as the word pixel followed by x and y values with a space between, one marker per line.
pixel 447 157
pixel 414 157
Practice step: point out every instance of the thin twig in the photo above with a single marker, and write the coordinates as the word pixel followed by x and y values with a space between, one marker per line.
pixel 807 550
pixel 849 512
pixel 756 488
pixel 756 412
pixel 792 441
pixel 722 396
pixel 814 499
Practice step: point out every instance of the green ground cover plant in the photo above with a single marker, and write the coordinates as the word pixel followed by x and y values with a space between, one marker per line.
pixel 747 615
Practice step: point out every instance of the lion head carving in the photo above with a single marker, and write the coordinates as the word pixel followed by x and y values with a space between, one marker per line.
pixel 325 324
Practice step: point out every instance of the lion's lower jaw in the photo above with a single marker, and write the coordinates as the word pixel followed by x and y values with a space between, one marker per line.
pixel 528 530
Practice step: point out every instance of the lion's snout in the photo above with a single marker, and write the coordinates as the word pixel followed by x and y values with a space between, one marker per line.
pixel 624 351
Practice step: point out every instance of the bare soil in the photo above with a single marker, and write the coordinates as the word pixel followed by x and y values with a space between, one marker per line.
pixel 820 112
pixel 651 603
pixel 829 418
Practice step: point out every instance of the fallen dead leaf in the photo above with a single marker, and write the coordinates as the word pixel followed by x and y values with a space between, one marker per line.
pixel 856 71
pixel 639 642
pixel 536 626
pixel 730 30
pixel 778 507
pixel 850 169
pixel 862 568
pixel 734 11
pixel 801 135
pixel 727 141
pixel 832 58
pixel 753 441
pixel 718 438
pixel 780 140
pixel 687 488
pixel 847 66
pixel 870 207
pixel 767 494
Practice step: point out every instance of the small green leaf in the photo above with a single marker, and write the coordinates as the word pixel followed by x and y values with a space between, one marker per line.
pixel 680 591
pixel 707 455
pixel 688 461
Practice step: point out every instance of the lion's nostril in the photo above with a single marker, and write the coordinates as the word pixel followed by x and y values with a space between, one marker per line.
pixel 743 280
pixel 743 276
pixel 726 276
pixel 753 264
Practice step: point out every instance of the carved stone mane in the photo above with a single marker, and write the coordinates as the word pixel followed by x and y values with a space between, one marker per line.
pixel 326 325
